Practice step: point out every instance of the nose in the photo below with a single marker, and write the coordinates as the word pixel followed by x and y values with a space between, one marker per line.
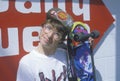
pixel 50 34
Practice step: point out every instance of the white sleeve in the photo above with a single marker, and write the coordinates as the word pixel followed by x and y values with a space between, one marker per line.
pixel 24 73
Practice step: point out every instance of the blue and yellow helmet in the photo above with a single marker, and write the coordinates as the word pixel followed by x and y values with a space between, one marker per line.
pixel 78 27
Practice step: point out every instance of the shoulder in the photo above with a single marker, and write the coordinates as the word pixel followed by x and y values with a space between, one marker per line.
pixel 28 57
pixel 61 52
pixel 61 55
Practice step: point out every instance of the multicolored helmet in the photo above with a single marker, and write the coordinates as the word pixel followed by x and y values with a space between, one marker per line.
pixel 60 15
pixel 78 28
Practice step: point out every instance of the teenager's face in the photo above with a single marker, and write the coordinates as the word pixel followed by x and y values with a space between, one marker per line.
pixel 49 36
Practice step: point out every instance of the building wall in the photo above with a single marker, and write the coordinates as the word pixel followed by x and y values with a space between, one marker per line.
pixel 107 52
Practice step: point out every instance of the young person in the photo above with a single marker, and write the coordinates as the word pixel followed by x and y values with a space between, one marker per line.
pixel 48 62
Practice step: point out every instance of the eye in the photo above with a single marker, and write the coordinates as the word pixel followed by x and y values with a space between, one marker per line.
pixel 57 35
pixel 48 27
